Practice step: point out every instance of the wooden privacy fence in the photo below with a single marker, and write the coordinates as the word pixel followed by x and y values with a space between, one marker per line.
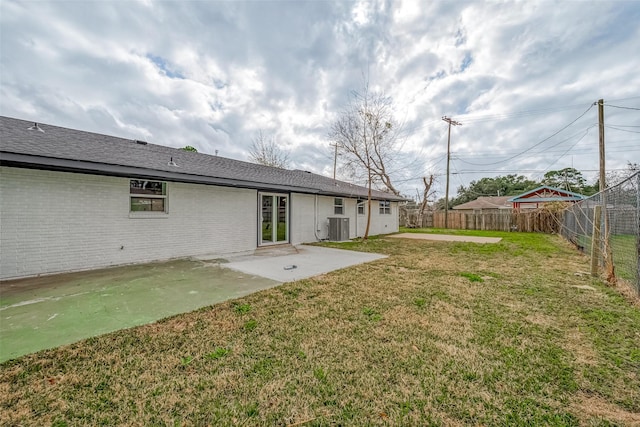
pixel 539 220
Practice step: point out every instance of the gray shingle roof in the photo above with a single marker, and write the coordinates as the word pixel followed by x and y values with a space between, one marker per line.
pixel 486 202
pixel 60 148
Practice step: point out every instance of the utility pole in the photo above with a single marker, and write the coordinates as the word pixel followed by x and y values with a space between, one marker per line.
pixel 446 196
pixel 335 159
pixel 607 255
pixel 601 127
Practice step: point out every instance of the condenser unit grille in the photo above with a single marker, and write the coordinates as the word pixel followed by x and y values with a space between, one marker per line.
pixel 338 229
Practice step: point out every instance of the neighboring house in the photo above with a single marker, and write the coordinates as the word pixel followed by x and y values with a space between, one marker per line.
pixel 73 200
pixel 485 204
pixel 539 196
pixel 529 200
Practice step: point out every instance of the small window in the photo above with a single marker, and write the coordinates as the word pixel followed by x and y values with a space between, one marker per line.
pixel 338 206
pixel 147 196
pixel 361 206
pixel 385 207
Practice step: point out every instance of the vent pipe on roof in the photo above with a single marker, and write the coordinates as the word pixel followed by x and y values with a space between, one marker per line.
pixel 172 163
pixel 139 141
pixel 35 127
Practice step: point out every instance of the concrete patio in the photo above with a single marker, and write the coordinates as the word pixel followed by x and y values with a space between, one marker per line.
pixel 49 311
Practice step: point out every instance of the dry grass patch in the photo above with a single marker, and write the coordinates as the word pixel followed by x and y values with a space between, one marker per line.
pixel 627 289
pixel 594 409
pixel 580 347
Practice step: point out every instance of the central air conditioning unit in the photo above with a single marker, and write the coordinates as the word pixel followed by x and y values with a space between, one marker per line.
pixel 338 229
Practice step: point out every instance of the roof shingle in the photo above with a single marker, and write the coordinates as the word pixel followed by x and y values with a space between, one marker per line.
pixel 486 202
pixel 95 153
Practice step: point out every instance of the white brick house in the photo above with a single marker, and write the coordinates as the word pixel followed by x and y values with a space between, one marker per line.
pixel 73 200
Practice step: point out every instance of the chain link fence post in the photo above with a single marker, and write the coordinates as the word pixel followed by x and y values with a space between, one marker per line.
pixel 638 233
pixel 618 250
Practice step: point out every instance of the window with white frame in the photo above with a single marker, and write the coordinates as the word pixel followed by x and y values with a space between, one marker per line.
pixel 338 206
pixel 385 207
pixel 361 204
pixel 147 196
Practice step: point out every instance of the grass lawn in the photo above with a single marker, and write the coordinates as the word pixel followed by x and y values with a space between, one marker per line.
pixel 437 334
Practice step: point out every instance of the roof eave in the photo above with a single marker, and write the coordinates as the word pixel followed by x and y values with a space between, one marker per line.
pixel 105 169
pixel 550 199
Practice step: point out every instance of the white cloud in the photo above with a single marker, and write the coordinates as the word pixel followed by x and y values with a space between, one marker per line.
pixel 211 74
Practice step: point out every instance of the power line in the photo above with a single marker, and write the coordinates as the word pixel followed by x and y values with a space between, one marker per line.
pixel 510 171
pixel 410 131
pixel 501 116
pixel 435 162
pixel 543 141
pixel 558 158
pixel 585 150
pixel 623 130
pixel 518 114
pixel 416 178
pixel 624 99
pixel 438 159
pixel 568 149
pixel 493 154
pixel 405 133
pixel 537 144
pixel 625 108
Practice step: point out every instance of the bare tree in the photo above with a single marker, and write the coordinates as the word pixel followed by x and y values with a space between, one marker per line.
pixel 615 177
pixel 266 151
pixel 365 133
pixel 428 183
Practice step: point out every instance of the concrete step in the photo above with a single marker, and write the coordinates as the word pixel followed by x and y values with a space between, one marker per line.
pixel 276 250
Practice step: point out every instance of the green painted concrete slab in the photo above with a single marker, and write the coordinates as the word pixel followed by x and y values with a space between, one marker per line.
pixel 50 311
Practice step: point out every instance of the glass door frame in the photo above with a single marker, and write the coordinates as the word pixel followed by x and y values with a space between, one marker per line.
pixel 275 218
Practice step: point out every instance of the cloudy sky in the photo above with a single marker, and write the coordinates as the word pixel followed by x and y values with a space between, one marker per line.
pixel 212 74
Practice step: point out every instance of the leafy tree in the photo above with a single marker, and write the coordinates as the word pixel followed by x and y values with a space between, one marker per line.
pixel 265 151
pixel 569 179
pixel 509 185
pixel 365 135
pixel 190 148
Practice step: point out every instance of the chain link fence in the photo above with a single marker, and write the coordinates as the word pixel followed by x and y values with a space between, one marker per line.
pixel 607 227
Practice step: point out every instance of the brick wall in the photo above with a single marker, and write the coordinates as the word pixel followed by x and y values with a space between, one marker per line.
pixel 54 222
pixel 302 219
pixel 381 223
pixel 57 221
